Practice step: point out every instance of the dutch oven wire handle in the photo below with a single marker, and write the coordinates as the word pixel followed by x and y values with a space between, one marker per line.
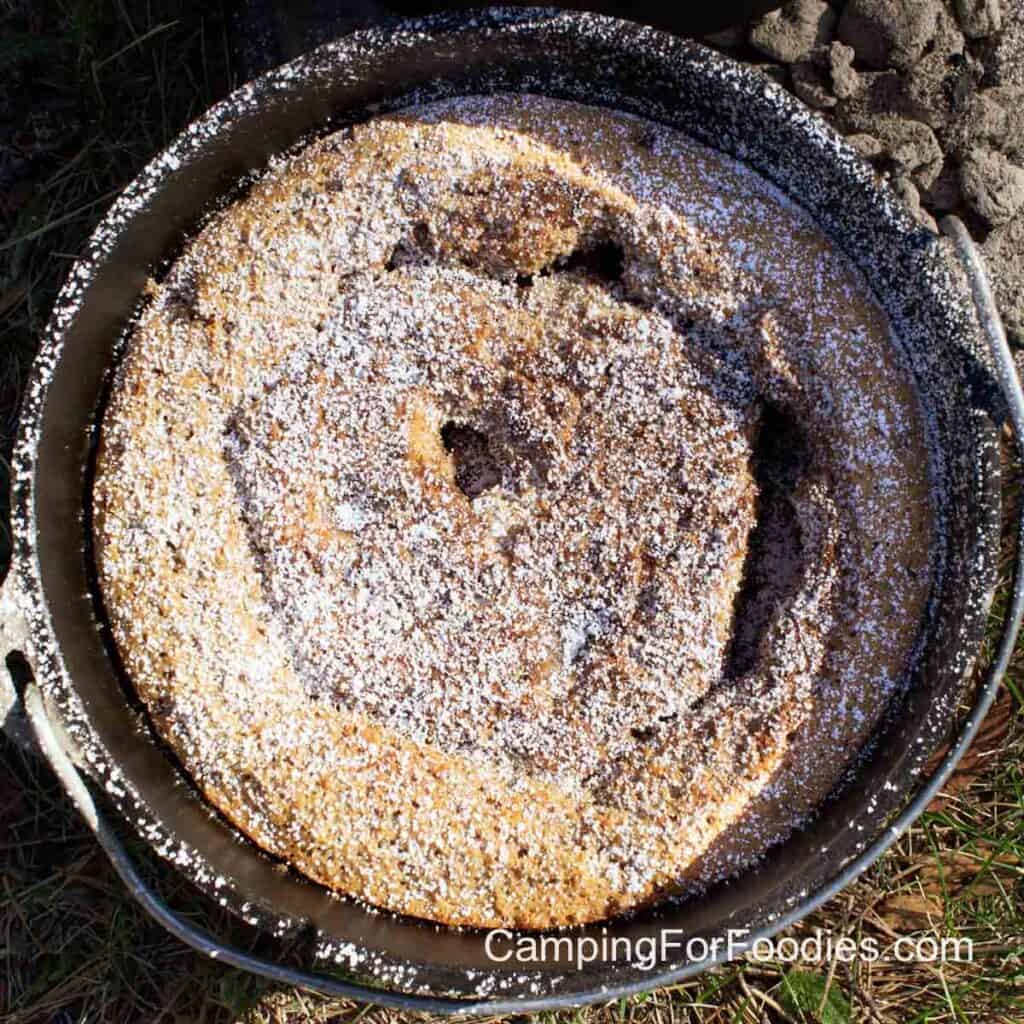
pixel 1010 388
pixel 204 942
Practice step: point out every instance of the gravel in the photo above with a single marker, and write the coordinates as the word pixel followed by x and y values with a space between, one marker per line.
pixel 812 84
pixel 931 93
pixel 846 83
pixel 1008 52
pixel 1003 248
pixel 791 33
pixel 888 33
pixel 992 186
pixel 979 18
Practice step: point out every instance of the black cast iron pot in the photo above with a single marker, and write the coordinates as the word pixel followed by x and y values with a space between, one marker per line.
pixel 82 708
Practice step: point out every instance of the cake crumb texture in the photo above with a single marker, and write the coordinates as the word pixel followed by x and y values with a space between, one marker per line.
pixel 513 512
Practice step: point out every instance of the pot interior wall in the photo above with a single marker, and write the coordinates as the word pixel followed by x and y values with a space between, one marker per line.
pixel 595 61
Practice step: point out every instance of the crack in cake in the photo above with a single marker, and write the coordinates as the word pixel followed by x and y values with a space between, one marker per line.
pixel 513 512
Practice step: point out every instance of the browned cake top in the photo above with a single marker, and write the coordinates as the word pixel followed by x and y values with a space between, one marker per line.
pixel 512 511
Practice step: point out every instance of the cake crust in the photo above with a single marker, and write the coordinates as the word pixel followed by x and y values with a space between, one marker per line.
pixel 513 512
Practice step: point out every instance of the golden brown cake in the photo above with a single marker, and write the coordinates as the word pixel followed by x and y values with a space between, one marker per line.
pixel 513 512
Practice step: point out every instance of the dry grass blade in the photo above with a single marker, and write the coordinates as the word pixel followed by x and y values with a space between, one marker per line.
pixel 988 741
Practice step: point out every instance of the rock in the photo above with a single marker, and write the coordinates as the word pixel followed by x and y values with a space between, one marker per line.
pixel 790 34
pixel 909 148
pixel 933 91
pixel 882 93
pixel 1003 251
pixel 992 186
pixel 1007 59
pixel 812 85
pixel 889 33
pixel 944 195
pixel 776 72
pixel 867 145
pixel 1011 99
pixel 979 18
pixel 846 82
pixel 907 191
pixel 992 118
pixel 939 84
pixel 913 149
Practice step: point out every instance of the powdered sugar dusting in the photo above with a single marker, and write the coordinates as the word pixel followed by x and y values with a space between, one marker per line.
pixel 467 401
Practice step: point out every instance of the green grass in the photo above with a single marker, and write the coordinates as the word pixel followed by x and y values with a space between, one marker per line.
pixel 101 87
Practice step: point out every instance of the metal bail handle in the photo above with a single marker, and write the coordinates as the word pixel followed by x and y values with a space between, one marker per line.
pixel 15 636
pixel 207 944
pixel 1009 385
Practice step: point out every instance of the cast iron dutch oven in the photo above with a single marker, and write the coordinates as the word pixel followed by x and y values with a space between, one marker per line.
pixel 96 735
